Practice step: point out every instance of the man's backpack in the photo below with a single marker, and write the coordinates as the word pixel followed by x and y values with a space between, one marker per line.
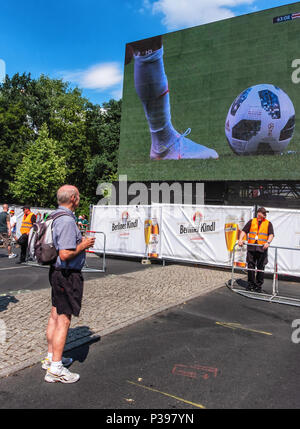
pixel 40 241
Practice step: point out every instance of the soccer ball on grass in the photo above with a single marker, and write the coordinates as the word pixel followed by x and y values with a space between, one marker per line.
pixel 261 120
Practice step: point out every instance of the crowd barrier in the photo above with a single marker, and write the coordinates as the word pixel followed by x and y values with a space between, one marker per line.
pixel 190 234
pixel 273 297
pixel 194 234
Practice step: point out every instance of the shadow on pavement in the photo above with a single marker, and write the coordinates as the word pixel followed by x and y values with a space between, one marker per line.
pixel 79 335
pixel 6 300
pixel 242 283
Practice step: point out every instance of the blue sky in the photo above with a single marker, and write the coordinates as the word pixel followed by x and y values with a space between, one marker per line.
pixel 83 41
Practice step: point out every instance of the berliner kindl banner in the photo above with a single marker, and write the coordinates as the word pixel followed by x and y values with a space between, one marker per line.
pixel 196 234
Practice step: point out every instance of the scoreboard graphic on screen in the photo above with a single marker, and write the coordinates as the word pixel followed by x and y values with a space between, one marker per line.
pixel 219 101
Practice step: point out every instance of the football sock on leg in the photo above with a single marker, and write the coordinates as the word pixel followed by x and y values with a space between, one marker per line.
pixel 152 88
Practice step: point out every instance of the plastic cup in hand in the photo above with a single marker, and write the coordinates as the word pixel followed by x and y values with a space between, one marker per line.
pixel 91 234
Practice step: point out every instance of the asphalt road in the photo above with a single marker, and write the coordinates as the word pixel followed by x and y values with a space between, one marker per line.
pixel 219 351
pixel 14 277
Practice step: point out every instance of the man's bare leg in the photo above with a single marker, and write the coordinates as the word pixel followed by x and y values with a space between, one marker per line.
pixel 59 336
pixel 51 328
pixel 50 333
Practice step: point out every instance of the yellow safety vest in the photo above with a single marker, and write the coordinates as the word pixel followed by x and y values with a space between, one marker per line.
pixel 26 223
pixel 261 235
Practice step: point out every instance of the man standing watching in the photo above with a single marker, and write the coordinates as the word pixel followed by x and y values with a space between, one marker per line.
pixel 28 220
pixel 5 230
pixel 67 284
pixel 260 234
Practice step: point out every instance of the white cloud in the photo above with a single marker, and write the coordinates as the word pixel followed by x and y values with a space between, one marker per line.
pixel 2 71
pixel 188 13
pixel 99 77
pixel 117 94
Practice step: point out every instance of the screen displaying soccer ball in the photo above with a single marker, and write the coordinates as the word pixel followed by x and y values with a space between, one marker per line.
pixel 261 120
pixel 181 89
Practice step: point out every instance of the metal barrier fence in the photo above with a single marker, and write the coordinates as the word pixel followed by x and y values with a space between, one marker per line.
pixel 86 268
pixel 274 297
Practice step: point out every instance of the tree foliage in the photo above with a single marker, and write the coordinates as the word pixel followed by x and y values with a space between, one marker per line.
pixel 61 123
pixel 41 171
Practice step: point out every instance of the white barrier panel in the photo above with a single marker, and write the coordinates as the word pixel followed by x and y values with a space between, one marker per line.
pixel 204 234
pixel 124 227
pixel 186 233
pixel 286 223
pixel 200 234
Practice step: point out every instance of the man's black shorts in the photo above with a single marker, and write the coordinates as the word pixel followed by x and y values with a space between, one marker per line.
pixel 67 290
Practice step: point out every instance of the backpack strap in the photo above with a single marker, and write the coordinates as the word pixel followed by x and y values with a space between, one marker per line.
pixel 57 215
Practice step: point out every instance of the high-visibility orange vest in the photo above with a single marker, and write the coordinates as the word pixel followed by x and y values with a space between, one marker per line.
pixel 26 223
pixel 262 233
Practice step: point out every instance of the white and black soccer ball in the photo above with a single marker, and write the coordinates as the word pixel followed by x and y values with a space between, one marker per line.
pixel 261 120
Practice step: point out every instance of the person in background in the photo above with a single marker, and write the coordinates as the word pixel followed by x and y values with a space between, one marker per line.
pixel 5 230
pixel 28 220
pixel 260 235
pixel 13 223
pixel 82 223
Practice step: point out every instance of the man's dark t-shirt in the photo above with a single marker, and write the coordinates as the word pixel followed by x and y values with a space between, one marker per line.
pixel 4 216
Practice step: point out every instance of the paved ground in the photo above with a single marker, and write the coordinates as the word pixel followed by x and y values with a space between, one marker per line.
pixel 110 302
pixel 217 351
pixel 21 277
pixel 196 344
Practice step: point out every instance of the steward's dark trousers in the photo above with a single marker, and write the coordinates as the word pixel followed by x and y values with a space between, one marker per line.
pixel 23 245
pixel 257 259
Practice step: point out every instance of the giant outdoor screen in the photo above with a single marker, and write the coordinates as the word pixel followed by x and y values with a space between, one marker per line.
pixel 219 101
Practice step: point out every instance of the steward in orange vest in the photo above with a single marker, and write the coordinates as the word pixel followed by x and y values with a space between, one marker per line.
pixel 28 220
pixel 258 232
pixel 27 223
pixel 260 235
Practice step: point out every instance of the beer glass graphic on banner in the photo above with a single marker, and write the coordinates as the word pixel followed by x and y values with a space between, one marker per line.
pixel 154 239
pixel 231 236
pixel 147 232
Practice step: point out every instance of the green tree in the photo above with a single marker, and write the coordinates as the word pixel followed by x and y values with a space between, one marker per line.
pixel 14 130
pixel 26 104
pixel 41 172
pixel 87 134
pixel 103 135
pixel 64 111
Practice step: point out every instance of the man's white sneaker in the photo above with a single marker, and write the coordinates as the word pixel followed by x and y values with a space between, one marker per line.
pixel 12 255
pixel 46 362
pixel 63 376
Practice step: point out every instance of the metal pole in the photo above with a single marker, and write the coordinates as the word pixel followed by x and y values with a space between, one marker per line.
pixel 274 274
pixel 276 282
pixel 104 247
pixel 232 268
